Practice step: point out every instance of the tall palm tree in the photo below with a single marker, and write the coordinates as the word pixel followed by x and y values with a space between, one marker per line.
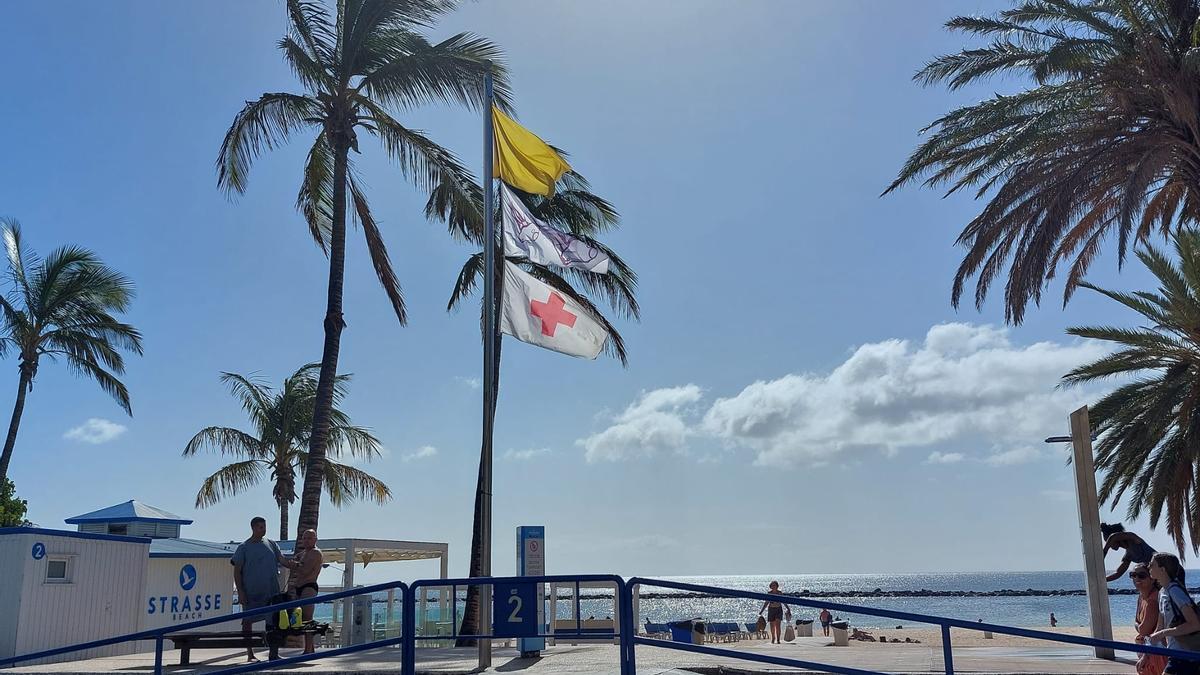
pixel 575 209
pixel 357 67
pixel 1104 145
pixel 1149 426
pixel 62 307
pixel 277 449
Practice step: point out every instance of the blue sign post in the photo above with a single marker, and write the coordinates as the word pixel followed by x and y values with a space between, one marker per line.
pixel 531 561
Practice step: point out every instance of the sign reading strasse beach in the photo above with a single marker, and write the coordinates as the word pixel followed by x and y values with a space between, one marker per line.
pixel 183 605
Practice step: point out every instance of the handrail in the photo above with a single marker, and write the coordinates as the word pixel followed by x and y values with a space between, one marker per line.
pixel 946 623
pixel 158 634
pixel 625 631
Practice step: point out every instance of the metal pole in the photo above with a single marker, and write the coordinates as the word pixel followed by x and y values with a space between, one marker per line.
pixel 489 370
pixel 947 651
pixel 408 631
pixel 1089 529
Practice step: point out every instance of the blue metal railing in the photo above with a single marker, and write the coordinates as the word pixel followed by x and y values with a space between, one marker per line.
pixel 159 634
pixel 621 594
pixel 625 631
pixel 946 623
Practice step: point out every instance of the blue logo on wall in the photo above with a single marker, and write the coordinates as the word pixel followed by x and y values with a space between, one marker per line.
pixel 187 577
pixel 39 551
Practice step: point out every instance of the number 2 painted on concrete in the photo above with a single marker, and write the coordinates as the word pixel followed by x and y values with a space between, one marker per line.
pixel 515 601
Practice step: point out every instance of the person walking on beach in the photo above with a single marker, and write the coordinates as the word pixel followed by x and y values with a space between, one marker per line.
pixel 826 619
pixel 1136 548
pixel 303 581
pixel 774 612
pixel 1053 621
pixel 1178 623
pixel 1145 620
pixel 256 564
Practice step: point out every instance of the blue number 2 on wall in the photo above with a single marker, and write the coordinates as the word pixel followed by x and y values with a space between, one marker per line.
pixel 39 551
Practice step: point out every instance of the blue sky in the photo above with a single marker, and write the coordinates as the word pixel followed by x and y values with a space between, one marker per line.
pixel 801 396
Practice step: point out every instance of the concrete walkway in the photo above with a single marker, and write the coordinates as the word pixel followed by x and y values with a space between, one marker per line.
pixel 602 660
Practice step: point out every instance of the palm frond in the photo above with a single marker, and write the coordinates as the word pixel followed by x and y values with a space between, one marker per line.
pixel 261 125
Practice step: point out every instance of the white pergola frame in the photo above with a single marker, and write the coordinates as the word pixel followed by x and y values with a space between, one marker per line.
pixel 352 551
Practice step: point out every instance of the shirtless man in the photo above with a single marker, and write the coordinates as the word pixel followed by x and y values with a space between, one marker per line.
pixel 303 580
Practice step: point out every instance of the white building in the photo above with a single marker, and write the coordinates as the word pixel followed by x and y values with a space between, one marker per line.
pixel 126 569
pixel 62 588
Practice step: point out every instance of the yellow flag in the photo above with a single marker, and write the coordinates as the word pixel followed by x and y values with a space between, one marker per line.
pixel 523 160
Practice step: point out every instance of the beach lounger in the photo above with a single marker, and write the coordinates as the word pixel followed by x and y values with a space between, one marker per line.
pixel 753 631
pixel 658 630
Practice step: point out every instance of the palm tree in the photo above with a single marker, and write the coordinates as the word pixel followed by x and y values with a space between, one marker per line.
pixel 577 210
pixel 1104 145
pixel 1149 426
pixel 62 307
pixel 357 67
pixel 278 447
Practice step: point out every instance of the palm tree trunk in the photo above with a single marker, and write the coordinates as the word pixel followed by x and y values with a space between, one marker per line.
pixel 314 475
pixel 470 622
pixel 18 409
pixel 283 518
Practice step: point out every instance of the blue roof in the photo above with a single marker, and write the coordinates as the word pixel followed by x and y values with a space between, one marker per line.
pixel 72 534
pixel 189 548
pixel 131 511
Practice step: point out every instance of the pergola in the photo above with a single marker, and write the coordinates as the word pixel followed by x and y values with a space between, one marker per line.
pixel 354 551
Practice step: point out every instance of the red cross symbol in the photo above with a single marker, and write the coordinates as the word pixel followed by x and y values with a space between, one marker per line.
pixel 552 313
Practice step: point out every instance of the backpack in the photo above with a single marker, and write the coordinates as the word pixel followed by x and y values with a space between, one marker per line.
pixel 1191 641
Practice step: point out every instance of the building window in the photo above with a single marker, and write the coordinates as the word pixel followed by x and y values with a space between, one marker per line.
pixel 118 529
pixel 58 570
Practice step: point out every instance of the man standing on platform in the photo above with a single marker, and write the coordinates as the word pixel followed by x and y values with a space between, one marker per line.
pixel 303 581
pixel 256 564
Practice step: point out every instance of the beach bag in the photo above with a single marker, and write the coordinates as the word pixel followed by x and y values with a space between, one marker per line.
pixel 1151 664
pixel 789 633
pixel 1191 641
pixel 761 625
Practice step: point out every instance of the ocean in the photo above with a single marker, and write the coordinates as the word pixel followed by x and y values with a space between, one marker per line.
pixel 1022 608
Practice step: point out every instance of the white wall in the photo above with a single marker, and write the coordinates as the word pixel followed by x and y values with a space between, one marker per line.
pixel 12 562
pixel 166 603
pixel 102 599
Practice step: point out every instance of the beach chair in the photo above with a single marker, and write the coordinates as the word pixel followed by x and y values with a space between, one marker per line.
pixel 658 630
pixel 753 631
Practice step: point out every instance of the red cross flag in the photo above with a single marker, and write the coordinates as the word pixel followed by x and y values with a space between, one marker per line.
pixel 536 313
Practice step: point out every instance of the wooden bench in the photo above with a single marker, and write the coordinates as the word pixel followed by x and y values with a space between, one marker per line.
pixel 186 642
pixel 236 639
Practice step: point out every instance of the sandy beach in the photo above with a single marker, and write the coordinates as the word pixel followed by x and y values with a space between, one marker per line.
pixel 970 638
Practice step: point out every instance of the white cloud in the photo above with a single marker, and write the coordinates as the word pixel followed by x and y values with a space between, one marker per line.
pixel 653 424
pixel 524 455
pixel 963 384
pixel 423 452
pixel 95 431
pixel 471 382
pixel 1019 455
pixel 936 457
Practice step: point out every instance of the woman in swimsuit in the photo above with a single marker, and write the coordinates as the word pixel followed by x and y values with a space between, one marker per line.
pixel 774 612
pixel 1136 548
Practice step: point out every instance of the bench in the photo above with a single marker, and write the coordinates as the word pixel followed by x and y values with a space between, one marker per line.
pixel 586 630
pixel 186 642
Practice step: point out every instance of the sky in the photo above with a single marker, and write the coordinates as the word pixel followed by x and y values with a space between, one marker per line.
pixel 801 396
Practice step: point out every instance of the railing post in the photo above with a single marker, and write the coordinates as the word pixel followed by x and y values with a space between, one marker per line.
pixel 158 655
pixel 408 630
pixel 947 650
pixel 628 629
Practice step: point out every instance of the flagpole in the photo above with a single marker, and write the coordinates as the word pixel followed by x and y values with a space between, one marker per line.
pixel 489 370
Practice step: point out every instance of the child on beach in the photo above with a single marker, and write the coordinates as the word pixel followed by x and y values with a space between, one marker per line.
pixel 1178 623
